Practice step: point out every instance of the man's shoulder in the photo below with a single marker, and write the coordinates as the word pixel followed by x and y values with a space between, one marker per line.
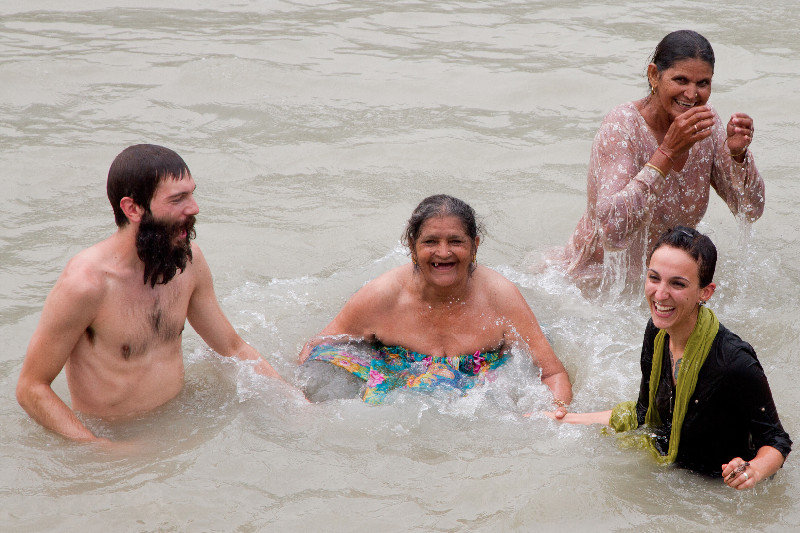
pixel 198 261
pixel 85 275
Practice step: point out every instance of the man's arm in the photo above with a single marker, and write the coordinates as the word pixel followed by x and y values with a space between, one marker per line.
pixel 208 320
pixel 68 311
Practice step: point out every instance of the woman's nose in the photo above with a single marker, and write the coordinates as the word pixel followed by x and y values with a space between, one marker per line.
pixel 661 291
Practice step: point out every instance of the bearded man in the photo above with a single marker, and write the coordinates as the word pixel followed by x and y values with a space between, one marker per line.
pixel 115 316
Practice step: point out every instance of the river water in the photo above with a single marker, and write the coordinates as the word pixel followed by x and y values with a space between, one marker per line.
pixel 312 129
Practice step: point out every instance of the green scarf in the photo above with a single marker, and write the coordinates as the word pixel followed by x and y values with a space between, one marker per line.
pixel 623 416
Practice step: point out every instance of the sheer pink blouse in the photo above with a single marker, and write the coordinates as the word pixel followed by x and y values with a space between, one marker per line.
pixel 630 205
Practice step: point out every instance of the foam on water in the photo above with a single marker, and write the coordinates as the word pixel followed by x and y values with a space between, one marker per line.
pixel 312 130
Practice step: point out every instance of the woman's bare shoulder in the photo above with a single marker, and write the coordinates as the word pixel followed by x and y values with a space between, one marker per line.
pixel 384 289
pixel 499 289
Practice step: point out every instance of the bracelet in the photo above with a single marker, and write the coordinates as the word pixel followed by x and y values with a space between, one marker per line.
pixel 651 165
pixel 740 152
pixel 666 154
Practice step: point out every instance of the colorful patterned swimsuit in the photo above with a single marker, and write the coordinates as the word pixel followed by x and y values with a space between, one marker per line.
pixel 386 368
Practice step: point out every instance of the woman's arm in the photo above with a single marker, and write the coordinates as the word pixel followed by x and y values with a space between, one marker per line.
pixel 523 329
pixel 761 420
pixel 622 191
pixel 737 182
pixel 599 417
pixel 627 175
pixel 346 326
pixel 744 475
pixel 356 321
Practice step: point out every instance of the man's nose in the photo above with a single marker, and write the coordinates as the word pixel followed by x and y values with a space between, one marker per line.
pixel 192 208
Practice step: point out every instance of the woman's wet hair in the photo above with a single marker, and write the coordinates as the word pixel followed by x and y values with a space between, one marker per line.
pixel 679 45
pixel 136 173
pixel 694 243
pixel 441 205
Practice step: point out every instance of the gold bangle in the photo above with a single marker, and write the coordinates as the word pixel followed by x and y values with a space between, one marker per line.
pixel 737 154
pixel 651 165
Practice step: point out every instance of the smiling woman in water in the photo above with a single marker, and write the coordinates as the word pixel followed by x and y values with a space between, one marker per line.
pixel 654 160
pixel 441 320
pixel 704 397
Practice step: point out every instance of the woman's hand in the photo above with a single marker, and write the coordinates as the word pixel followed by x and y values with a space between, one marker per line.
pixel 688 128
pixel 740 134
pixel 561 410
pixel 741 474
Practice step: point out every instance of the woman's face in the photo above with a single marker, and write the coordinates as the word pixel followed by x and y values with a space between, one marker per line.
pixel 673 291
pixel 443 251
pixel 686 84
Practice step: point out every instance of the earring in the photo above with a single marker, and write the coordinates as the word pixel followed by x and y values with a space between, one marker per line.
pixel 414 260
pixel 702 302
pixel 652 89
pixel 475 258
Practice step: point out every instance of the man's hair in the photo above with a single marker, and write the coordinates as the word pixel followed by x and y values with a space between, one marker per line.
pixel 136 173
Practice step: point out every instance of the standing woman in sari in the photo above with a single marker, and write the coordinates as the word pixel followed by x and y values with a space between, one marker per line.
pixel 654 160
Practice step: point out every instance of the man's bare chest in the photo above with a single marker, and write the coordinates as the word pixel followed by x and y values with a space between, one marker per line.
pixel 135 320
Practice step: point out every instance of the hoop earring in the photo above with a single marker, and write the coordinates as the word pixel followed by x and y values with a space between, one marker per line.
pixel 652 90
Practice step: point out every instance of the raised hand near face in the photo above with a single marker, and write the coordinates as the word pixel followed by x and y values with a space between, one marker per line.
pixel 740 134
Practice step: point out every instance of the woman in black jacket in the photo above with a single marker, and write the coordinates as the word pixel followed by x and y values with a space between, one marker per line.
pixel 704 398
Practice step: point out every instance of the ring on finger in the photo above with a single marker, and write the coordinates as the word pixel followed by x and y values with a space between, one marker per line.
pixel 695 128
pixel 745 476
pixel 738 470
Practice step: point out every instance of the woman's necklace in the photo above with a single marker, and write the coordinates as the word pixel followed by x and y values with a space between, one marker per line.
pixel 676 366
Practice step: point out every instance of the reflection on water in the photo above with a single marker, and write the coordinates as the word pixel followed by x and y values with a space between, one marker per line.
pixel 312 130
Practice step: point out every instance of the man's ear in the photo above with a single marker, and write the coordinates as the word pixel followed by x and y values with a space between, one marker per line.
pixel 132 210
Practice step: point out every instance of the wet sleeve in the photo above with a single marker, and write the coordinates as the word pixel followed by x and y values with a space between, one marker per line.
pixel 738 184
pixel 625 190
pixel 758 406
pixel 623 417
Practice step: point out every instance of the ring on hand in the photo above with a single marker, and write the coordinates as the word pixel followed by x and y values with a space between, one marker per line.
pixel 745 475
pixel 695 128
pixel 738 470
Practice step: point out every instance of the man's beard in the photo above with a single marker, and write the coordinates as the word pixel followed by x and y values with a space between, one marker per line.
pixel 157 248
